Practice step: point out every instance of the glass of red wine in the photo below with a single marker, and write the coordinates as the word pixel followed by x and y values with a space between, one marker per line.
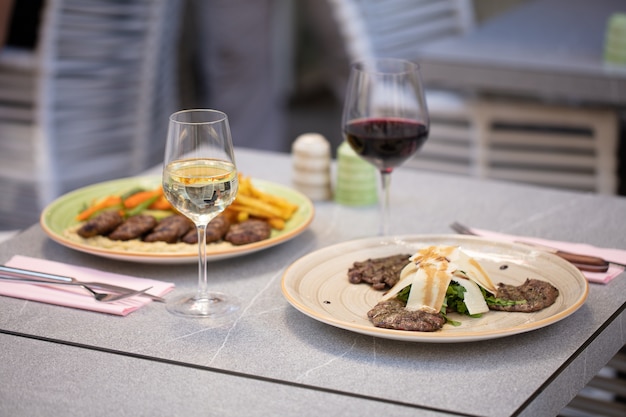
pixel 385 118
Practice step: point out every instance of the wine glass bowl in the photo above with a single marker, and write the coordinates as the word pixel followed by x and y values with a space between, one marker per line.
pixel 188 190
pixel 200 181
pixel 386 142
pixel 385 117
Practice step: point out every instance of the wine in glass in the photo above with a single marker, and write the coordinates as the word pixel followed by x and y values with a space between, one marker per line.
pixel 200 181
pixel 385 118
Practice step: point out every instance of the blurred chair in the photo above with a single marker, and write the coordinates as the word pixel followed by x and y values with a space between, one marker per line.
pixel 545 144
pixel 89 104
pixel 398 28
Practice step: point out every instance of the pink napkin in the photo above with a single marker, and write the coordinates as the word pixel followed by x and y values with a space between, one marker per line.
pixel 76 297
pixel 615 255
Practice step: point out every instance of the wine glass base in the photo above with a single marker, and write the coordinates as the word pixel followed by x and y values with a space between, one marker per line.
pixel 213 305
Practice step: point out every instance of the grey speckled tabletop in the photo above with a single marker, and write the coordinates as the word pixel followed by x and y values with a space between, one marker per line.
pixel 274 360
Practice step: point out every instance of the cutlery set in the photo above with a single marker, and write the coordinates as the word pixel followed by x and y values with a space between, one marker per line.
pixel 114 292
pixel 583 262
pixel 108 293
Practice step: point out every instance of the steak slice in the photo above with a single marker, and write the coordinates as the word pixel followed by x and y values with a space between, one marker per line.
pixel 392 314
pixel 534 295
pixel 248 231
pixel 381 273
pixel 102 224
pixel 170 229
pixel 134 227
pixel 215 231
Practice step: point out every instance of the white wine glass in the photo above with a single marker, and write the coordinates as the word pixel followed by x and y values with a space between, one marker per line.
pixel 200 181
pixel 385 118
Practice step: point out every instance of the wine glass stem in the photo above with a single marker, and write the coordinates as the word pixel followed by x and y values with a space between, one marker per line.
pixel 203 290
pixel 385 181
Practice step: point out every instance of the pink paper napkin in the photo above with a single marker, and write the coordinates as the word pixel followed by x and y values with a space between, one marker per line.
pixel 615 255
pixel 76 297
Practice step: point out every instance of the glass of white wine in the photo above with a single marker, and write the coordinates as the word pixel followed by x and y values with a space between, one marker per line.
pixel 200 181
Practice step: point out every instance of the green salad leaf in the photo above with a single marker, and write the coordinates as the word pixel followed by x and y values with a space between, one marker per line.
pixel 491 300
pixel 454 301
pixel 403 295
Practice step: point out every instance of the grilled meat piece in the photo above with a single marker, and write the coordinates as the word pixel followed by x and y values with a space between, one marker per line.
pixel 381 273
pixel 215 231
pixel 102 224
pixel 248 231
pixel 170 229
pixel 134 227
pixel 191 236
pixel 392 314
pixel 535 294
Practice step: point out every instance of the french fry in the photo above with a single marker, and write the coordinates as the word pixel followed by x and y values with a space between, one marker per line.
pixel 244 185
pixel 252 211
pixel 242 216
pixel 260 206
pixel 252 202
pixel 244 212
pixel 278 224
pixel 288 207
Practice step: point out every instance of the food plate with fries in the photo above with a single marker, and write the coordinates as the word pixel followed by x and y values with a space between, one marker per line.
pixel 288 211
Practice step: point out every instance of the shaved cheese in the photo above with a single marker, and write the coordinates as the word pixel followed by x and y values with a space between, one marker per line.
pixel 428 289
pixel 409 269
pixel 400 285
pixel 472 270
pixel 429 277
pixel 429 274
pixel 472 297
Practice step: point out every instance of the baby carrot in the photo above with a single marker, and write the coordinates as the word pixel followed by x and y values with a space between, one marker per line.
pixel 110 201
pixel 141 206
pixel 138 198
pixel 161 203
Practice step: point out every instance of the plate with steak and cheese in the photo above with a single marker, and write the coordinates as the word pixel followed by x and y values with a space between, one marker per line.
pixel 394 287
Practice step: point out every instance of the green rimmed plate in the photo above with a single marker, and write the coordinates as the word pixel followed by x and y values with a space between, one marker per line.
pixel 60 215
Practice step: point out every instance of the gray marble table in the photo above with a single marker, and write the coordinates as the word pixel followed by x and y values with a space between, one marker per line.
pixel 274 360
pixel 543 49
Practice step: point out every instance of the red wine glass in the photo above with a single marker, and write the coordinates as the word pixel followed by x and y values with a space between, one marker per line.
pixel 385 118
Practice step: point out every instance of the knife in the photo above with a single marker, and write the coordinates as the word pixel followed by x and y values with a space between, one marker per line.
pixel 17 273
pixel 587 263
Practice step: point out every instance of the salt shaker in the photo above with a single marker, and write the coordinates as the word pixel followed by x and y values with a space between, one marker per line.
pixel 311 166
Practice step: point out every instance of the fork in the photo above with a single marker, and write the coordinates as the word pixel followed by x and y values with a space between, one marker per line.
pixel 11 272
pixel 104 297
pixel 461 229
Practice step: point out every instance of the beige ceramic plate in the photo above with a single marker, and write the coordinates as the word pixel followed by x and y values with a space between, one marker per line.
pixel 318 286
pixel 60 215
